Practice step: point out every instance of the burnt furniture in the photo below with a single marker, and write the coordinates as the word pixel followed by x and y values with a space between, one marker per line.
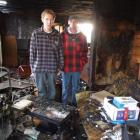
pixel 54 113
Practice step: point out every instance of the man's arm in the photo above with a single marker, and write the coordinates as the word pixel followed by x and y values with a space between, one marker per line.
pixel 84 52
pixel 32 51
pixel 61 54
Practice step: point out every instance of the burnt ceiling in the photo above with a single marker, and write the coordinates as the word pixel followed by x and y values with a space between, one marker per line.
pixel 61 7
pixel 84 8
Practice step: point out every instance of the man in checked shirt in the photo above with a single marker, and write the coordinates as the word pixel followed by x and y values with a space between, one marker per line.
pixel 75 57
pixel 46 55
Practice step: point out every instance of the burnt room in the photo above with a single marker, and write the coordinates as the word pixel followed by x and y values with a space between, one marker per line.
pixel 69 69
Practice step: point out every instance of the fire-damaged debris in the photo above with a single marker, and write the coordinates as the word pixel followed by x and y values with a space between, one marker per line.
pixel 53 120
pixel 43 105
pixel 113 134
pixel 125 87
pixel 90 111
pixel 47 136
pixel 57 115
pixel 4 102
pixel 82 85
pixel 21 93
pixel 5 106
pixel 120 86
pixel 134 89
pixel 92 115
pixel 103 80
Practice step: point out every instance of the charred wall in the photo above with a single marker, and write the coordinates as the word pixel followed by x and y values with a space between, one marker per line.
pixel 118 21
pixel 17 28
pixel 114 47
pixel 20 26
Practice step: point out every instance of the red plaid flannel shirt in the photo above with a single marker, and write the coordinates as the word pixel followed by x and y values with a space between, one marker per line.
pixel 75 51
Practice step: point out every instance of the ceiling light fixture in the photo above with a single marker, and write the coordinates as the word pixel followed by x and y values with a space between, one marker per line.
pixel 2 2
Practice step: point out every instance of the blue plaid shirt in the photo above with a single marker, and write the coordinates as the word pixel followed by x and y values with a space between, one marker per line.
pixel 46 53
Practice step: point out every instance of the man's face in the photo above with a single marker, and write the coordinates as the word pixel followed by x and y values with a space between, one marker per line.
pixel 73 23
pixel 48 21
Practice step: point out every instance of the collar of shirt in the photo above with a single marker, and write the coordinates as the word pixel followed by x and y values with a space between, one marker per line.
pixel 42 29
pixel 78 31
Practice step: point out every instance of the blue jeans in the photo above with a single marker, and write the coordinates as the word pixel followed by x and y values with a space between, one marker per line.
pixel 45 83
pixel 70 80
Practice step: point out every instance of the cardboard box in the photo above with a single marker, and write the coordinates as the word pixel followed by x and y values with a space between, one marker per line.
pixel 117 114
pixel 122 102
pixel 100 95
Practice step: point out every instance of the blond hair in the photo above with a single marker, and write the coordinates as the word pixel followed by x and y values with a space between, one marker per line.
pixel 48 11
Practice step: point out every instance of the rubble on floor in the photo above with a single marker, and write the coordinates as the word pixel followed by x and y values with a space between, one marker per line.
pixel 125 87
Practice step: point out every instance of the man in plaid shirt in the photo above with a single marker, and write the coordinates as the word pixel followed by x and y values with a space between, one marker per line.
pixel 75 57
pixel 46 55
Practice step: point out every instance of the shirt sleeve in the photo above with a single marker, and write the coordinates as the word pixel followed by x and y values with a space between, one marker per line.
pixel 61 54
pixel 32 51
pixel 84 51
